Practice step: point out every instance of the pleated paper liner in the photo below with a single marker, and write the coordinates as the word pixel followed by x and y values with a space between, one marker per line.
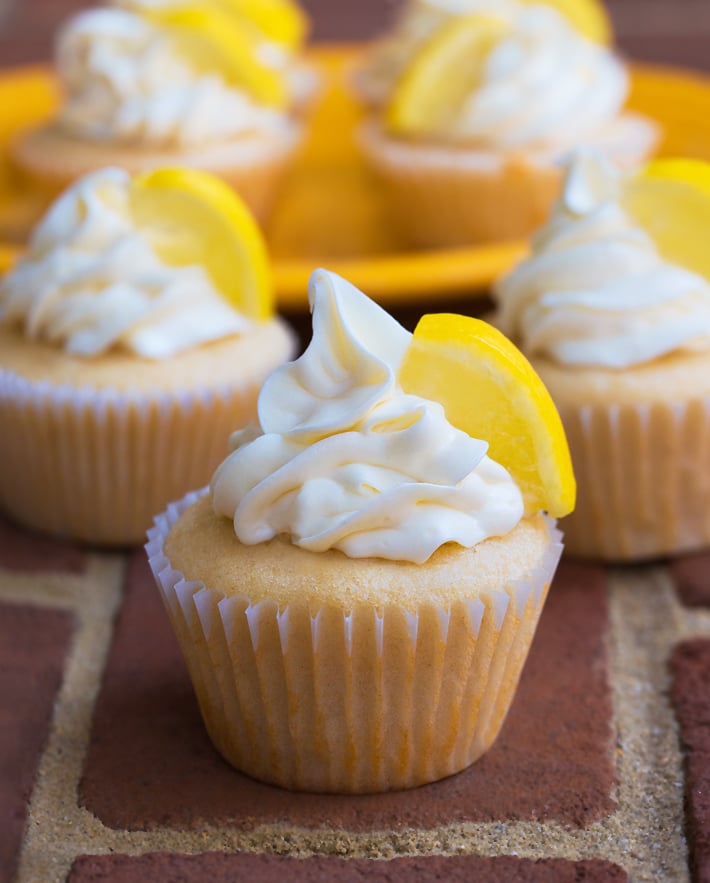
pixel 643 479
pixel 352 700
pixel 96 465
pixel 443 196
pixel 48 161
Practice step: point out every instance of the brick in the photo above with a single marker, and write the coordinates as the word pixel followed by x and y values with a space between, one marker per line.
pixel 33 646
pixel 150 762
pixel 691 575
pixel 217 867
pixel 690 695
pixel 22 550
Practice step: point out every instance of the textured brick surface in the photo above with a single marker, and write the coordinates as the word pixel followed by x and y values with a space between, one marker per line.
pixel 33 646
pixel 21 550
pixel 217 867
pixel 690 666
pixel 692 579
pixel 150 762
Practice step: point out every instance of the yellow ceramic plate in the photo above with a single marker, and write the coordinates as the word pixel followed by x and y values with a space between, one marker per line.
pixel 331 214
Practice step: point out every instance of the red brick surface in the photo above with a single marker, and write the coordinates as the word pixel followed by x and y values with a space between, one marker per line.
pixel 150 762
pixel 33 647
pixel 21 550
pixel 691 575
pixel 218 867
pixel 690 667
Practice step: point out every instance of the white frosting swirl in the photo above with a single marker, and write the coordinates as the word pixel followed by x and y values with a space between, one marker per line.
pixel 125 82
pixel 544 86
pixel 595 290
pixel 344 459
pixel 91 281
pixel 417 21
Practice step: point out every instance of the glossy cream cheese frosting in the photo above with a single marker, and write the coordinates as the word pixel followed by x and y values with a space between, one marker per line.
pixel 344 459
pixel 91 281
pixel 124 82
pixel 595 290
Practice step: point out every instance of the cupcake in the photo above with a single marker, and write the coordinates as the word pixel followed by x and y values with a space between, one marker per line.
pixel 356 592
pixel 469 143
pixel 613 309
pixel 134 334
pixel 160 84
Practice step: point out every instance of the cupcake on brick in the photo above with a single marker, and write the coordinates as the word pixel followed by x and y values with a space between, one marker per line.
pixel 135 334
pixel 158 84
pixel 469 143
pixel 356 593
pixel 613 309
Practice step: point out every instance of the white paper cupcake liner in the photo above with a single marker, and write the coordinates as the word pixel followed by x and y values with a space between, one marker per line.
pixel 356 700
pixel 96 465
pixel 643 479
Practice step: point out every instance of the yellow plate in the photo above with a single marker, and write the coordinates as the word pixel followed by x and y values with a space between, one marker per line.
pixel 332 215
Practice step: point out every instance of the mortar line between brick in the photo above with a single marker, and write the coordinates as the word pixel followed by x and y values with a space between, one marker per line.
pixel 56 832
pixel 645 626
pixel 52 590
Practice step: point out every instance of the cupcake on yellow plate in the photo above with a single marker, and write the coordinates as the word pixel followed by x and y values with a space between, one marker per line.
pixel 613 309
pixel 167 83
pixel 356 594
pixel 469 144
pixel 134 334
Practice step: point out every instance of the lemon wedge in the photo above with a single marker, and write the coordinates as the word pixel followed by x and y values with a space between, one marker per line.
pixel 490 390
pixel 191 217
pixel 589 17
pixel 279 20
pixel 449 66
pixel 210 39
pixel 670 199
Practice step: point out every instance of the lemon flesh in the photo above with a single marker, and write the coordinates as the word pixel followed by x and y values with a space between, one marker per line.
pixel 670 200
pixel 279 20
pixel 191 217
pixel 490 391
pixel 448 68
pixel 210 40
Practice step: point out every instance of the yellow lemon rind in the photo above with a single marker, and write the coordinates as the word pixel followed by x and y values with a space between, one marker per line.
pixel 227 242
pixel 445 350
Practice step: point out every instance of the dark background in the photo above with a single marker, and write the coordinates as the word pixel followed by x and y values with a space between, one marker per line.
pixel 664 31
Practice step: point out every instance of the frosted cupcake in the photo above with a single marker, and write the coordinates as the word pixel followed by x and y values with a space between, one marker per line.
pixel 167 84
pixel 134 335
pixel 356 593
pixel 469 145
pixel 613 309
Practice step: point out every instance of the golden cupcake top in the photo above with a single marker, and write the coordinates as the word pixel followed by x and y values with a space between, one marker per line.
pixel 620 275
pixel 155 265
pixel 174 72
pixel 376 441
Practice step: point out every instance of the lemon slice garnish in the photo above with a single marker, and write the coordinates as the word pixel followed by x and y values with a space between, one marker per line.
pixel 489 390
pixel 191 217
pixel 212 40
pixel 589 17
pixel 670 199
pixel 279 20
pixel 441 76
